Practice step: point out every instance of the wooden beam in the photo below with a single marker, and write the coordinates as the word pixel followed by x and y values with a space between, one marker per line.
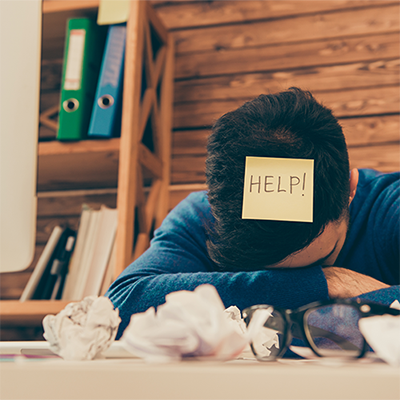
pixel 165 112
pixel 150 161
pixel 129 149
pixel 159 65
pixel 151 204
pixel 157 23
pixel 147 104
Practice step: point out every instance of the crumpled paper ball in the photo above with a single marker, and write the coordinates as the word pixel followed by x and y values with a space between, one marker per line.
pixel 83 330
pixel 188 324
pixel 382 334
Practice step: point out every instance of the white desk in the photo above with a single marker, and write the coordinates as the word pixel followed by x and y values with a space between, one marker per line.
pixel 125 378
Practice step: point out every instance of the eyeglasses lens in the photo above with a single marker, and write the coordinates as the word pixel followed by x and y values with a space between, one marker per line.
pixel 269 341
pixel 334 330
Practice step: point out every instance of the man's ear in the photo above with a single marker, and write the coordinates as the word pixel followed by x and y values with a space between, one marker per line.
pixel 353 183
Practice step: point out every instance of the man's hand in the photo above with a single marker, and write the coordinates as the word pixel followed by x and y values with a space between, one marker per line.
pixel 343 283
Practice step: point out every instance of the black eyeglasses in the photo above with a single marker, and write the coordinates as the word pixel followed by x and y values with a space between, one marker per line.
pixel 329 328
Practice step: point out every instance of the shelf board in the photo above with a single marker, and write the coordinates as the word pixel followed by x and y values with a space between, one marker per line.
pixel 51 6
pixel 28 313
pixel 86 164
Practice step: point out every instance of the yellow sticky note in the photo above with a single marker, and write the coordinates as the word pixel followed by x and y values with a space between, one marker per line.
pixel 279 189
pixel 113 12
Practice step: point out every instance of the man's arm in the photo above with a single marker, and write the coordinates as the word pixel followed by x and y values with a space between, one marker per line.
pixel 178 260
pixel 344 283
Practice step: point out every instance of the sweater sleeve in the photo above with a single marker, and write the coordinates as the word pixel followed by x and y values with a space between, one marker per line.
pixel 372 244
pixel 178 260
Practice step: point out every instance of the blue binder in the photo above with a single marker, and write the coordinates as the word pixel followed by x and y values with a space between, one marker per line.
pixel 106 114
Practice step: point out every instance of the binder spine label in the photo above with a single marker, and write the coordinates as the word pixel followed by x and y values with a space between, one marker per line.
pixel 112 68
pixel 73 73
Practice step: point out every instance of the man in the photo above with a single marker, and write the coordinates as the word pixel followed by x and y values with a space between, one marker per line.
pixel 350 248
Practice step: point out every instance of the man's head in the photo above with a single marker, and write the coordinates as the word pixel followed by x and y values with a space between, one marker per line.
pixel 290 124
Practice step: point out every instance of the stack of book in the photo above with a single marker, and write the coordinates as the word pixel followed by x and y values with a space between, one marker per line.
pixel 74 265
pixel 92 80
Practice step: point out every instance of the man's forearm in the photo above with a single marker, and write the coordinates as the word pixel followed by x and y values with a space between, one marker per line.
pixel 344 283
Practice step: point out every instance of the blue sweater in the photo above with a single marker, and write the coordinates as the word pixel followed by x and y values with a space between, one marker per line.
pixel 178 260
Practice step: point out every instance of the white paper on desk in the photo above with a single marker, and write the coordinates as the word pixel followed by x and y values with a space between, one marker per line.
pixel 83 330
pixel 189 324
pixel 382 334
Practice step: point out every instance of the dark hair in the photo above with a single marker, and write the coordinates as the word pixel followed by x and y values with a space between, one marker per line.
pixel 290 124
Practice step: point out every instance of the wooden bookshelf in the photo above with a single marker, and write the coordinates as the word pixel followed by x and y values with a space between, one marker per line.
pixel 121 164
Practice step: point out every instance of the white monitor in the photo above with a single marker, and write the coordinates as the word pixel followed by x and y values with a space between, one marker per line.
pixel 20 49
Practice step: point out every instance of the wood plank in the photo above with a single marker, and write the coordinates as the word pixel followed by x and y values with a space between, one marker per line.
pixel 383 100
pixel 157 3
pixel 190 169
pixel 384 158
pixel 180 192
pixel 369 21
pixel 128 163
pixel 371 130
pixel 316 79
pixel 164 124
pixel 288 56
pixel 358 131
pixel 29 313
pixel 202 114
pixel 150 161
pixel 344 103
pixel 189 142
pixel 51 6
pixel 180 15
pixel 156 23
pixel 81 146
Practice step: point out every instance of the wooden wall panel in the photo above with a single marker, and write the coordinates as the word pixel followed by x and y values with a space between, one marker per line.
pixel 369 21
pixel 384 158
pixel 288 56
pixel 344 103
pixel 316 79
pixel 358 131
pixel 187 15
